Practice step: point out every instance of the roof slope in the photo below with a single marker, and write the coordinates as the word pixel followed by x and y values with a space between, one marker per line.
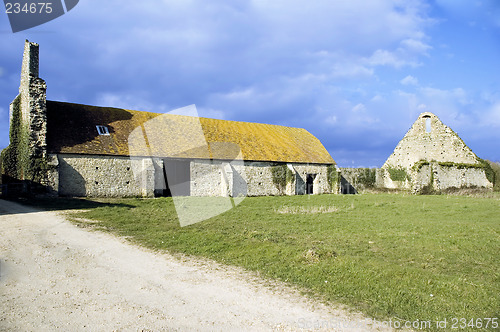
pixel 72 129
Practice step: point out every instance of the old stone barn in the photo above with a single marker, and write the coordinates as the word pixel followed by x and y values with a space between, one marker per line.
pixel 80 150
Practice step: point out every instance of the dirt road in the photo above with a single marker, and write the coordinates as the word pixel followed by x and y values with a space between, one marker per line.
pixel 56 276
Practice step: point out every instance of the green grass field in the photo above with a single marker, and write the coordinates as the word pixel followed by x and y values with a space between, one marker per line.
pixel 393 256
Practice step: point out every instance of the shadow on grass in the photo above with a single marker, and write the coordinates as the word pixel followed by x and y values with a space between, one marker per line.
pixel 35 204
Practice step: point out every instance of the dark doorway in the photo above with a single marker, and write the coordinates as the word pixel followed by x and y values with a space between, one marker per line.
pixel 310 183
pixel 346 187
pixel 177 175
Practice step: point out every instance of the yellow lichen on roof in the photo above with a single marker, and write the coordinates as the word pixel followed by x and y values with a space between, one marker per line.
pixel 72 130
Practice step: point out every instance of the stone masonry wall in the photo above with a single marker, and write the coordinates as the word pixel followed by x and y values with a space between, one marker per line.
pixel 452 177
pixel 105 176
pixel 432 175
pixel 108 176
pixel 53 175
pixel 383 180
pixel 439 177
pixel 259 179
pixel 320 184
pixel 219 178
pixel 207 179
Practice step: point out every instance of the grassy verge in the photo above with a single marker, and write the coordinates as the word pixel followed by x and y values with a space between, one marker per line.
pixel 403 257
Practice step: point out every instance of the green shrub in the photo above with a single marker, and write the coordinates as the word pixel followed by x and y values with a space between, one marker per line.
pixel 333 177
pixel 10 155
pixel 281 176
pixel 398 174
pixel 460 165
pixel 429 189
pixel 367 177
pixel 495 174
pixel 17 161
pixel 290 176
pixel 488 170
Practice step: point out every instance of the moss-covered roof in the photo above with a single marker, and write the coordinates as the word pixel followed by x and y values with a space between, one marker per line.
pixel 72 129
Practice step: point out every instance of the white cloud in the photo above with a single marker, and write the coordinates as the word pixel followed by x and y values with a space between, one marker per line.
pixel 241 95
pixel 492 116
pixel 355 24
pixel 331 119
pixel 490 97
pixel 396 59
pixel 406 54
pixel 359 108
pixel 385 58
pixel 439 95
pixel 415 46
pixel 463 110
pixel 409 80
pixel 350 70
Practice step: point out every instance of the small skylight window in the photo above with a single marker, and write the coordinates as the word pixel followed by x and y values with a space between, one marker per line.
pixel 102 130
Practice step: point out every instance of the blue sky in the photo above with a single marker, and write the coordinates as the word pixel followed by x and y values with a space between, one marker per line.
pixel 355 73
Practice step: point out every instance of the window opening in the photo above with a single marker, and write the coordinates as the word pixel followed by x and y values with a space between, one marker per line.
pixel 428 127
pixel 102 130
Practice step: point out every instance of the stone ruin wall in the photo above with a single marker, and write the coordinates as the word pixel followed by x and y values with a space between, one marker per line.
pixel 433 176
pixel 442 144
pixel 436 147
pixel 438 177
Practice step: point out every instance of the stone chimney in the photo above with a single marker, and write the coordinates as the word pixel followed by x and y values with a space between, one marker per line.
pixel 32 91
pixel 29 69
